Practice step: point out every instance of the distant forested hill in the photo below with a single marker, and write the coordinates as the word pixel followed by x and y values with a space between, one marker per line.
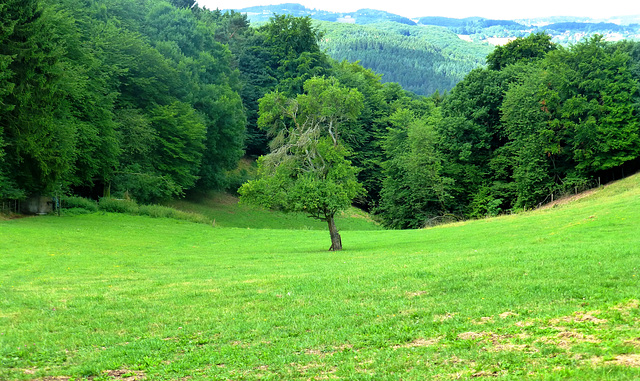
pixel 422 59
pixel 260 14
pixel 563 30
pixel 425 54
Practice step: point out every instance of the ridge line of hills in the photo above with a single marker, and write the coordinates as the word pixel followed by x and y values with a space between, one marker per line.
pixel 429 54
pixel 564 29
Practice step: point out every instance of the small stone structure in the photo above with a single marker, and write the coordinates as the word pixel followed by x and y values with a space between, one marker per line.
pixel 37 205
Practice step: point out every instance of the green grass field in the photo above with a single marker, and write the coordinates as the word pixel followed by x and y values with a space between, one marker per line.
pixel 545 295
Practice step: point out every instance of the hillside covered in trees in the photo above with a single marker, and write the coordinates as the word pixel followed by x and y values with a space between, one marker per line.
pixel 425 54
pixel 152 100
pixel 422 59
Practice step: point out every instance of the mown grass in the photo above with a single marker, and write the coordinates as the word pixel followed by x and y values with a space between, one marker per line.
pixel 551 294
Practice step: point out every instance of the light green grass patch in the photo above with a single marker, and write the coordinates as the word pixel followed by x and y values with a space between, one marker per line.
pixel 547 295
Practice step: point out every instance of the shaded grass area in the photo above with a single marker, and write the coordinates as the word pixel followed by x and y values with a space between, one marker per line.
pixel 225 210
pixel 545 295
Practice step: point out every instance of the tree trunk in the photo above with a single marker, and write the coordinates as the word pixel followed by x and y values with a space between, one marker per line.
pixel 336 241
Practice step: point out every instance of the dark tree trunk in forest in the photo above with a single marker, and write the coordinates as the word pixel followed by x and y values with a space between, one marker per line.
pixel 336 241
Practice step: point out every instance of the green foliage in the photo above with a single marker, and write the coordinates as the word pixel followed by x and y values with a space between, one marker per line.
pixel 135 97
pixel 570 117
pixel 114 205
pixel 179 143
pixel 226 211
pixel 528 49
pixel 542 122
pixel 124 206
pixel 421 59
pixel 307 170
pixel 414 188
pixel 78 203
pixel 153 100
pixel 39 142
pixel 600 109
pixel 295 56
pixel 363 135
pixel 320 194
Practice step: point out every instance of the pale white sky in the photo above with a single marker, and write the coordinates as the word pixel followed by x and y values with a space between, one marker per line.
pixel 497 9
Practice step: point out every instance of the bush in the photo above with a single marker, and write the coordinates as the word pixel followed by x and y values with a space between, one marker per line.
pixel 158 211
pixel 115 205
pixel 75 211
pixel 78 205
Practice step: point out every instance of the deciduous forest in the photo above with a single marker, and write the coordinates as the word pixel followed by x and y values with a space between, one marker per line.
pixel 152 100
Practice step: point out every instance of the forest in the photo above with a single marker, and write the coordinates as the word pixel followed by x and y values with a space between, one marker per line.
pixel 155 100
pixel 422 59
pixel 435 53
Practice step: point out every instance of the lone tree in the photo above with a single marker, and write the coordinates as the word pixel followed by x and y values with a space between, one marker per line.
pixel 307 170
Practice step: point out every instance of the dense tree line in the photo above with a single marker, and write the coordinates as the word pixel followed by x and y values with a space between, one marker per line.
pixel 153 99
pixel 539 122
pixel 115 96
pixel 150 99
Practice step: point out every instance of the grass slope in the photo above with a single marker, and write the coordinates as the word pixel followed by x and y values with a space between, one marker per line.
pixel 225 210
pixel 551 294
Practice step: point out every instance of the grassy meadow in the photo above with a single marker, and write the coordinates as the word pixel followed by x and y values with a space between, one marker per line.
pixel 544 295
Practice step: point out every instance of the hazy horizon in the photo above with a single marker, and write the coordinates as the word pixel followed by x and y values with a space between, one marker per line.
pixel 495 9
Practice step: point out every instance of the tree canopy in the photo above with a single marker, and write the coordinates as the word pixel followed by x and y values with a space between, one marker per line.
pixel 307 169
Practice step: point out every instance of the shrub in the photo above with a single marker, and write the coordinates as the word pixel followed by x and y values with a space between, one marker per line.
pixel 78 205
pixel 157 211
pixel 115 205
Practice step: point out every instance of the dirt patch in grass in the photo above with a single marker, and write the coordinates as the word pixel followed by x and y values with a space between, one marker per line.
pixel 632 360
pixel 625 308
pixel 126 375
pixel 567 339
pixel 117 375
pixel 444 317
pixel 629 360
pixel 580 317
pixel 343 347
pixel 485 373
pixel 634 342
pixel 315 352
pixel 507 314
pixel 524 324
pixel 419 343
pixel 417 293
pixel 509 348
pixel 498 343
pixel 471 335
pixel 483 320
pixel 314 367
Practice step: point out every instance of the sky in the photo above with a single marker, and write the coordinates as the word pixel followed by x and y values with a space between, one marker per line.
pixel 495 9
